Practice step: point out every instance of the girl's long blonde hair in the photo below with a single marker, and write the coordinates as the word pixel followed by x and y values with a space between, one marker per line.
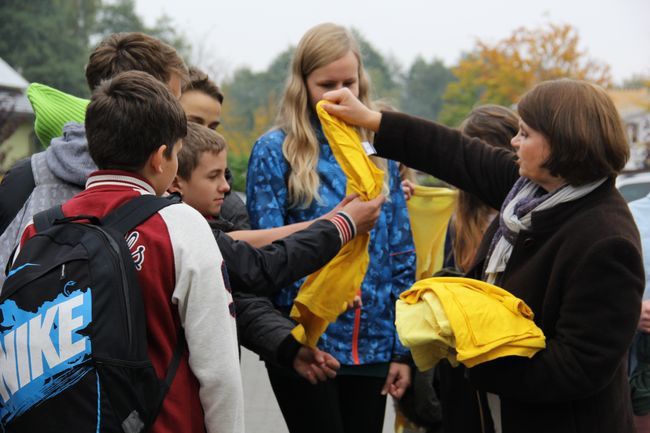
pixel 320 46
pixel 496 125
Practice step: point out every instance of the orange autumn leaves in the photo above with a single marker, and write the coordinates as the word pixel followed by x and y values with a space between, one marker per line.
pixel 499 73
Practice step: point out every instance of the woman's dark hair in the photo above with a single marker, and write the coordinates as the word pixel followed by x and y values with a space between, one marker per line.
pixel 582 126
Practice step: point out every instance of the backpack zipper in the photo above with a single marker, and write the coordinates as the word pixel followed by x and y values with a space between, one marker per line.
pixel 114 249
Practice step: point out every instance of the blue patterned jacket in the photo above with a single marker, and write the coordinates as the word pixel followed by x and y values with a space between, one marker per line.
pixel 362 336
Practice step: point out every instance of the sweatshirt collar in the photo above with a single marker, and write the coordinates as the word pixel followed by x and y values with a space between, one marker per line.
pixel 119 178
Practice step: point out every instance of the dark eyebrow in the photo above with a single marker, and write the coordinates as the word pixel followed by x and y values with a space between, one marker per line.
pixel 193 118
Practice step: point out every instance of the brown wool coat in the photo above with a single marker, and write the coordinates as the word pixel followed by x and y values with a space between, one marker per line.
pixel 579 268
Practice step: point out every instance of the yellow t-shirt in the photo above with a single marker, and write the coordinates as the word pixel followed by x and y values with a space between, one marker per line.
pixel 464 320
pixel 429 211
pixel 325 294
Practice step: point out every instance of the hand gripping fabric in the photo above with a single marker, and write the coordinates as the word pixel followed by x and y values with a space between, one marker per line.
pixel 429 211
pixel 464 320
pixel 325 294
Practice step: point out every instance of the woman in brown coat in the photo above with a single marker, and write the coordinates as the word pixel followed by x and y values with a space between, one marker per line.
pixel 564 242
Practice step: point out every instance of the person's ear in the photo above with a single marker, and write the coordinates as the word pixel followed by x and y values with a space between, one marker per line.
pixel 176 186
pixel 157 158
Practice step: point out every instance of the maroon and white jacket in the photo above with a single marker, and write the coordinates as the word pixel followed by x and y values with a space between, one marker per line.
pixel 180 272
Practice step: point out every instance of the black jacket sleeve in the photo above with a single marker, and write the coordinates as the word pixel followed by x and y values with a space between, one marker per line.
pixel 264 330
pixel 16 187
pixel 467 163
pixel 262 271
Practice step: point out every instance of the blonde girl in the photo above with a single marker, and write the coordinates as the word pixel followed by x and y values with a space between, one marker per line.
pixel 293 177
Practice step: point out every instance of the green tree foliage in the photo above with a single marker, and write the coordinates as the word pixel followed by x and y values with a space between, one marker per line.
pixel 120 16
pixel 238 165
pixel 384 74
pixel 117 17
pixel 252 101
pixel 48 41
pixel 424 87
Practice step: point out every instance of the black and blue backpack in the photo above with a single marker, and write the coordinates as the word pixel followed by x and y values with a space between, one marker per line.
pixel 73 343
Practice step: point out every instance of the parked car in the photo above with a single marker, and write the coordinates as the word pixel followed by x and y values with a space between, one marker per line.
pixel 633 186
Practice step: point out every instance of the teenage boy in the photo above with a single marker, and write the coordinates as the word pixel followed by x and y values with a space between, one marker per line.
pixel 53 176
pixel 202 183
pixel 134 127
pixel 202 101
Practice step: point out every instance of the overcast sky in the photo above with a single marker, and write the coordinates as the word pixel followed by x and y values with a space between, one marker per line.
pixel 235 33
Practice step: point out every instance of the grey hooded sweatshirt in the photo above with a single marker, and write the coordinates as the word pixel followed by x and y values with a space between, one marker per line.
pixel 59 172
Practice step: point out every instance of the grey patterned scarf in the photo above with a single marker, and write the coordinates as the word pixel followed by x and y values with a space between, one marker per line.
pixel 524 198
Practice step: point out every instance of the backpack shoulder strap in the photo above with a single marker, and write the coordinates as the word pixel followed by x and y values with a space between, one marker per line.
pixel 136 211
pixel 45 219
pixel 179 351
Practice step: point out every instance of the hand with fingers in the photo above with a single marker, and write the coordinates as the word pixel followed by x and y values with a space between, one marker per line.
pixel 348 108
pixel 364 213
pixel 408 188
pixel 356 302
pixel 314 365
pixel 398 380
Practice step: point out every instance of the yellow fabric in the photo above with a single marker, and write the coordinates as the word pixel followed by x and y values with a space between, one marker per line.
pixel 484 321
pixel 404 425
pixel 325 294
pixel 429 211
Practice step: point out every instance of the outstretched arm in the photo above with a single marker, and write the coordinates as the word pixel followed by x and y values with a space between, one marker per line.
pixel 264 270
pixel 265 331
pixel 363 215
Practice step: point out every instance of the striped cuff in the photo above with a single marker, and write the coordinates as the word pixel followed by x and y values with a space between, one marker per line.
pixel 345 225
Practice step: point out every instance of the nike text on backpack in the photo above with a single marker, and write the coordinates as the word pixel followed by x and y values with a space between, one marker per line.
pixel 73 344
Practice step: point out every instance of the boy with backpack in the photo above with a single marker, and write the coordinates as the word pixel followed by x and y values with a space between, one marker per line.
pixel 54 175
pixel 134 127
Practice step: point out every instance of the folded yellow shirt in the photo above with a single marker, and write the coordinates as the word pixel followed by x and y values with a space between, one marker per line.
pixel 484 321
pixel 325 294
pixel 429 211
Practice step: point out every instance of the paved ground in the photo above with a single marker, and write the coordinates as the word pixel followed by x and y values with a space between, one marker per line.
pixel 262 411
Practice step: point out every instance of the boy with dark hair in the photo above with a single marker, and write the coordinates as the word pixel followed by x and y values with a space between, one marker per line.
pixel 261 271
pixel 178 263
pixel 203 98
pixel 53 176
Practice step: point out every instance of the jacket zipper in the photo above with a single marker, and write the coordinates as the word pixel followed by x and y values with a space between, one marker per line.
pixel 355 334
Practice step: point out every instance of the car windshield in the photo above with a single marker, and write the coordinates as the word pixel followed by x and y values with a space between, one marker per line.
pixel 634 191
